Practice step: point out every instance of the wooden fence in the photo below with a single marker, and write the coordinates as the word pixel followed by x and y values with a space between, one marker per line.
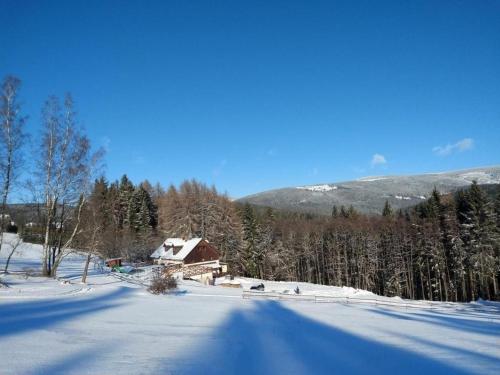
pixel 250 294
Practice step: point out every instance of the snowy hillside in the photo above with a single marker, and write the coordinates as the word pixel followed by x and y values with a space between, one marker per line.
pixel 369 194
pixel 113 325
pixel 318 187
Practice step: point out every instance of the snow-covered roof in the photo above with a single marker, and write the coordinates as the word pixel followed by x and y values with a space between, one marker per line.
pixel 166 250
pixel 158 252
pixel 174 242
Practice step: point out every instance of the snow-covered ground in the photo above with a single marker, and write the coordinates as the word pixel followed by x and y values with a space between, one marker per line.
pixel 321 188
pixel 111 326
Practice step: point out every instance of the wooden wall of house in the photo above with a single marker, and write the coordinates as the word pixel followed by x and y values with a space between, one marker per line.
pixel 203 252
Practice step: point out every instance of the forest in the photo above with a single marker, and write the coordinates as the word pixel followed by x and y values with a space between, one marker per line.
pixel 445 249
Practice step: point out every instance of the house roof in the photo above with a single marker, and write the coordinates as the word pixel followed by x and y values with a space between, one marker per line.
pixel 166 251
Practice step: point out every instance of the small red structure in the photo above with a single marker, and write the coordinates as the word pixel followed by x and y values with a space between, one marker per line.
pixel 114 262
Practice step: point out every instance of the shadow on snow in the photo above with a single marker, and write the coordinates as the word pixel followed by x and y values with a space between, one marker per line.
pixel 21 317
pixel 71 363
pixel 272 339
pixel 442 319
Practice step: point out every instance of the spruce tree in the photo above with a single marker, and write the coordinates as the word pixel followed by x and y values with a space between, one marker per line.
pixel 497 209
pixel 478 229
pixel 434 204
pixel 352 213
pixel 335 212
pixel 266 239
pixel 100 201
pixel 251 241
pixel 343 212
pixel 387 211
pixel 125 201
pixel 454 252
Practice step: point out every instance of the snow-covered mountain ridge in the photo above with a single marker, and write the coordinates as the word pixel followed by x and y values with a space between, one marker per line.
pixel 368 194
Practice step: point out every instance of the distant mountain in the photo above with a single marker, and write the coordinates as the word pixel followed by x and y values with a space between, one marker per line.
pixel 369 194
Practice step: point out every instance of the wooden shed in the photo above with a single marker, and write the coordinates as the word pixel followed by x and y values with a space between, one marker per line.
pixel 112 262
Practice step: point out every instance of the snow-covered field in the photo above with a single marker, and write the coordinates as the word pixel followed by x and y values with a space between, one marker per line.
pixel 111 326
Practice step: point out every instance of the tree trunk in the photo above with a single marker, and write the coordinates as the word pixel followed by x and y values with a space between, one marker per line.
pixel 62 250
pixel 86 269
pixel 8 260
pixel 46 269
pixel 472 286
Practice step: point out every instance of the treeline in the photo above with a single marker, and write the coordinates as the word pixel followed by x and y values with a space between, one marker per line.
pixel 445 249
pixel 120 219
pixel 132 220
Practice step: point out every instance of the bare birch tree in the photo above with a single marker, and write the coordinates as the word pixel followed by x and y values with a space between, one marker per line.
pixel 12 137
pixel 64 171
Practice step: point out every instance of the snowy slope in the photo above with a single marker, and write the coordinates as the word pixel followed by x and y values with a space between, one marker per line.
pixel 111 326
pixel 369 194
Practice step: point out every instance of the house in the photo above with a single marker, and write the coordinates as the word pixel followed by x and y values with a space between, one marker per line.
pixel 195 259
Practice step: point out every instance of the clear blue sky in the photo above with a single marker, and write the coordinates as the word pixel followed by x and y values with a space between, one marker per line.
pixel 253 95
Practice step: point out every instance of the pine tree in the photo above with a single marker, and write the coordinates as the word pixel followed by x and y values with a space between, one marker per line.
pixel 454 251
pixel 251 241
pixel 266 239
pixel 434 204
pixel 343 212
pixel 387 211
pixel 497 208
pixel 352 213
pixel 478 229
pixel 125 201
pixel 335 212
pixel 430 208
pixel 100 200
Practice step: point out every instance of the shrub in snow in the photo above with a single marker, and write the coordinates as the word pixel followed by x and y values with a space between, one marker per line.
pixel 162 285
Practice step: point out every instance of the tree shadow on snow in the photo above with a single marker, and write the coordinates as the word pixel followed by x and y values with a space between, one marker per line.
pixel 71 363
pixel 461 352
pixel 21 317
pixel 272 339
pixel 441 319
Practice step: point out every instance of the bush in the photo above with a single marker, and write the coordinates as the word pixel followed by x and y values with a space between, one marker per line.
pixel 162 285
pixel 31 237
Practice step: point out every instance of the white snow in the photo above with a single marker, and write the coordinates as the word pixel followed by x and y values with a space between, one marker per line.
pixel 186 248
pixel 321 188
pixel 480 176
pixel 402 197
pixel 371 179
pixel 113 325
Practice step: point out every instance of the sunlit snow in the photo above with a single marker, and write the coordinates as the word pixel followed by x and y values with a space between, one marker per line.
pixel 113 325
pixel 322 188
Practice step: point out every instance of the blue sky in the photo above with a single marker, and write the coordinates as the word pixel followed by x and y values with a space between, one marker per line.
pixel 254 95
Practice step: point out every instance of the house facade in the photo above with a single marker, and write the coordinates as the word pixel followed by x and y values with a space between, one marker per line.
pixel 195 259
